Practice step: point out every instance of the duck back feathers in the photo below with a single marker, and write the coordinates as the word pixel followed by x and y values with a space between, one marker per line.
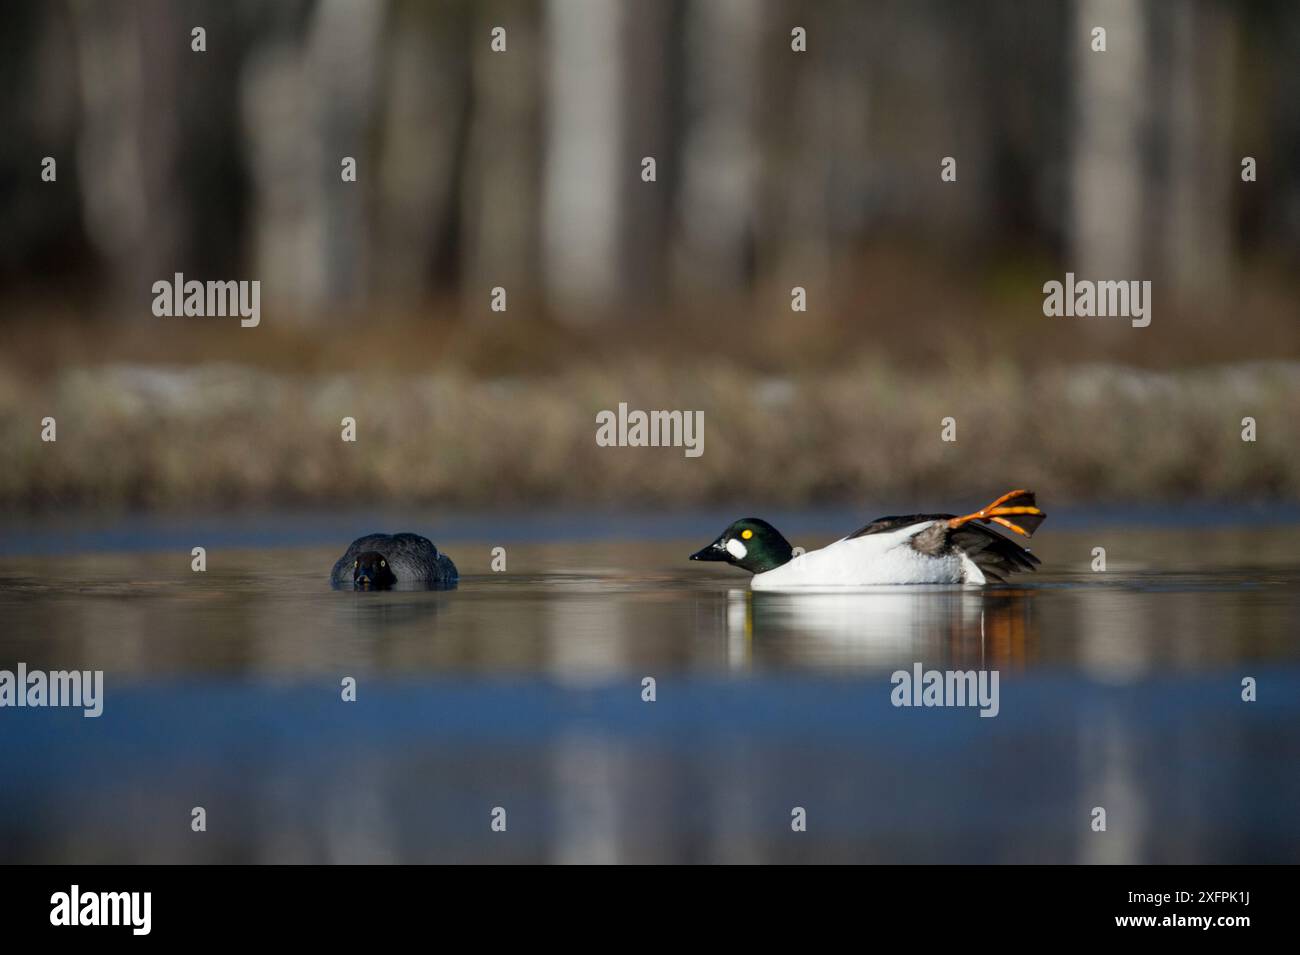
pixel 413 559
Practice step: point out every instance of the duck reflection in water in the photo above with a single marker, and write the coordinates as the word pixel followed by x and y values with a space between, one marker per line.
pixel 882 628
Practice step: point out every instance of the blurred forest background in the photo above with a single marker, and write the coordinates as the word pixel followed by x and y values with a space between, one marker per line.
pixel 522 169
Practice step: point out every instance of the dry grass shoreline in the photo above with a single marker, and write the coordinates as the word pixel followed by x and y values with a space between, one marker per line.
pixel 222 434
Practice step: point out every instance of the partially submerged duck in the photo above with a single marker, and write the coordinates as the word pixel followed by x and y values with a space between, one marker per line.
pixel 384 561
pixel 916 549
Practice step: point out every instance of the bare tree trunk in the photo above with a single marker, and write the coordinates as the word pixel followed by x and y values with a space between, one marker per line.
pixel 719 156
pixel 306 107
pixel 421 152
pixel 500 200
pixel 585 167
pixel 1195 224
pixel 133 209
pixel 648 65
pixel 1107 175
pixel 792 248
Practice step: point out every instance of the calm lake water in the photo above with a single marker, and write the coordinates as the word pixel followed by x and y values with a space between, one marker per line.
pixel 523 690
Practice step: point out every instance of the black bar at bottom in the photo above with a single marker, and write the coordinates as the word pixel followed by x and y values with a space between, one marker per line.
pixel 236 903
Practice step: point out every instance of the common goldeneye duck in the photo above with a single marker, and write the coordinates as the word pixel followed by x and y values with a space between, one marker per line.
pixel 385 561
pixel 916 549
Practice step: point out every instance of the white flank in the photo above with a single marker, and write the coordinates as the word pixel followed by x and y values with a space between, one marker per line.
pixel 869 560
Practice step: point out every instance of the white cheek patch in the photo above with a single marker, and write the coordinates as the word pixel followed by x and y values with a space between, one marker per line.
pixel 736 549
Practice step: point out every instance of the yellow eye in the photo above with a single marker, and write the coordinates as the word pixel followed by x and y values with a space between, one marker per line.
pixel 383 563
pixel 746 534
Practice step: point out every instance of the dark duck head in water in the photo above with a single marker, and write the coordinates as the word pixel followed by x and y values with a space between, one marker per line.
pixel 370 571
pixel 388 561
